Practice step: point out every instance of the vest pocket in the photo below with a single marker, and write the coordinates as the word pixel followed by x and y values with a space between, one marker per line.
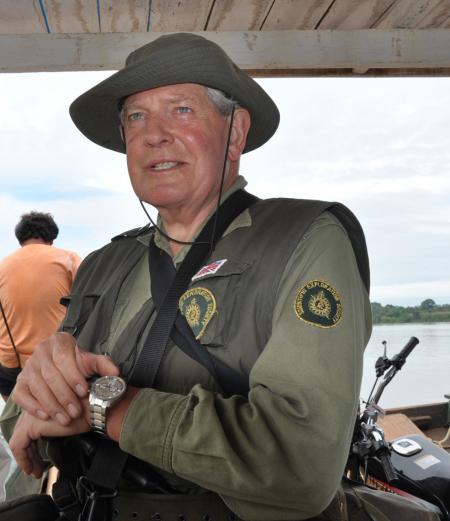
pixel 128 345
pixel 79 307
pixel 209 302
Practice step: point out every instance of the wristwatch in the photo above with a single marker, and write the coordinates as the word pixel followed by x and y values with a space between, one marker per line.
pixel 104 393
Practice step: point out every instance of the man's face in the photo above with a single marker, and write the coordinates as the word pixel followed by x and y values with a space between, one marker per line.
pixel 175 141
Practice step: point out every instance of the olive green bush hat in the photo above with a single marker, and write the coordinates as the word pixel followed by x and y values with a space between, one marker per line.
pixel 171 59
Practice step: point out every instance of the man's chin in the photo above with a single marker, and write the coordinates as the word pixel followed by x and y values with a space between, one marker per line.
pixel 159 201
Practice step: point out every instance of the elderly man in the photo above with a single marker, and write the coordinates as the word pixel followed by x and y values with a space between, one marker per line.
pixel 237 324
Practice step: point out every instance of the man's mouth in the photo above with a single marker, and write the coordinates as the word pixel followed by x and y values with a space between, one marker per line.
pixel 165 165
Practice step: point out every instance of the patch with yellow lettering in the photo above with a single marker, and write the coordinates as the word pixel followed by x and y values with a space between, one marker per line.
pixel 198 305
pixel 319 304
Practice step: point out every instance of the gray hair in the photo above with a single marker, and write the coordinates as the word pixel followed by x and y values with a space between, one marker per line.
pixel 222 103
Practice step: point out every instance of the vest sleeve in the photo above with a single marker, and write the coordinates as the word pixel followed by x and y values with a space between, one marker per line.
pixel 280 453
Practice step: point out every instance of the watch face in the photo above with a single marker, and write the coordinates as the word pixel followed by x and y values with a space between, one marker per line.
pixel 109 387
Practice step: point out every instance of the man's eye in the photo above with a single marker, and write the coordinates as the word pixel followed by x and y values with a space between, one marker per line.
pixel 135 116
pixel 184 110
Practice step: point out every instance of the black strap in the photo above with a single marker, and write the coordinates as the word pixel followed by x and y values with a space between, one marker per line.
pixel 66 500
pixel 88 497
pixel 147 364
pixel 10 334
pixel 162 273
pixel 107 465
pixel 230 380
pixel 102 480
pixel 35 507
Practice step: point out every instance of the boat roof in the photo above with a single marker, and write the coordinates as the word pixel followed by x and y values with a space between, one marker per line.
pixel 284 38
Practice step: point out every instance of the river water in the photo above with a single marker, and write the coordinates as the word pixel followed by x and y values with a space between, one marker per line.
pixel 425 377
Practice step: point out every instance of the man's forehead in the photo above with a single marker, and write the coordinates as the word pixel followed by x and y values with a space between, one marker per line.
pixel 172 92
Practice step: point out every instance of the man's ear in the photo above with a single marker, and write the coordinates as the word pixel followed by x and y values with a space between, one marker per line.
pixel 122 133
pixel 241 126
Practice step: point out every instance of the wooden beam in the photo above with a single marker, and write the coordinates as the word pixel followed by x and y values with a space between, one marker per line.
pixel 21 16
pixel 280 52
pixel 354 14
pixel 117 16
pixel 72 16
pixel 406 14
pixel 173 15
pixel 235 15
pixel 295 14
pixel 437 17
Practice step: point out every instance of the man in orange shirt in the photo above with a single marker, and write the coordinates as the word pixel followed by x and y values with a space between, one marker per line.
pixel 32 281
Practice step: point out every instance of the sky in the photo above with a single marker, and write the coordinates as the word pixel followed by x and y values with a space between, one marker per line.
pixel 378 145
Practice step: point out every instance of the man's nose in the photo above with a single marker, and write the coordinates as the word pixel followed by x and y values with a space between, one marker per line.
pixel 157 132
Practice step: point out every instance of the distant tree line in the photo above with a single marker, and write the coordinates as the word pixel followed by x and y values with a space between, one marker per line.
pixel 427 311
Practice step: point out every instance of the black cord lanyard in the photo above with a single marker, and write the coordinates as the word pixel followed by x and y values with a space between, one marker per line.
pixel 10 335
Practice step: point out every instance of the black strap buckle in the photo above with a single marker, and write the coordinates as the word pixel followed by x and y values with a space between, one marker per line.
pixel 92 496
pixel 64 495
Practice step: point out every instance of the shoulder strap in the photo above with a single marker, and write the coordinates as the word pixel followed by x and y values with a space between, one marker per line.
pixel 162 272
pixel 147 364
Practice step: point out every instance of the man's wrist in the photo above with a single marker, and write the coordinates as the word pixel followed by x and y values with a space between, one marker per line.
pixel 105 393
pixel 116 416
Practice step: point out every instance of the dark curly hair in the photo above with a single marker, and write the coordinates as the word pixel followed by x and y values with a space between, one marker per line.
pixel 36 225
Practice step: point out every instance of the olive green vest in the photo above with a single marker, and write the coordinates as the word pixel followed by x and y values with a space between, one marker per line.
pixel 244 288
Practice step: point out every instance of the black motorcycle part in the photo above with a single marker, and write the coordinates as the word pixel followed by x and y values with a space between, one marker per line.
pixel 424 473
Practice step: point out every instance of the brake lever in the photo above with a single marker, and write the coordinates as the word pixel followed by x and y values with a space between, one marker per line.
pixel 388 469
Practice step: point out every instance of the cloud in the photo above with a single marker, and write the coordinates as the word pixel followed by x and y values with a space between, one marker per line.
pixel 413 293
pixel 378 145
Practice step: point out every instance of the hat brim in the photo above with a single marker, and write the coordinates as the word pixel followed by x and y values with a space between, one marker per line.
pixel 96 112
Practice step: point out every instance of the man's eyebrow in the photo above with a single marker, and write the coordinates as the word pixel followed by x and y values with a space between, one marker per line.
pixel 131 105
pixel 175 98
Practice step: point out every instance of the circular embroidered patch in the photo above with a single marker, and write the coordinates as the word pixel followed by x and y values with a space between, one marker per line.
pixel 319 304
pixel 198 305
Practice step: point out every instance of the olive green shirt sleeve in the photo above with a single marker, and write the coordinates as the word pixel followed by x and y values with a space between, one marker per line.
pixel 8 419
pixel 280 453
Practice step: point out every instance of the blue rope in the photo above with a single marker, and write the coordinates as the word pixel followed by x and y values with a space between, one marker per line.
pixel 149 14
pixel 44 14
pixel 98 16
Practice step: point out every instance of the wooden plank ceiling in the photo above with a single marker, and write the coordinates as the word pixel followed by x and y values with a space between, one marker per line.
pixel 327 31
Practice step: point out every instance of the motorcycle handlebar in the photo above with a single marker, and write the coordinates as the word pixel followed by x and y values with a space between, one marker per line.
pixel 400 358
pixel 396 364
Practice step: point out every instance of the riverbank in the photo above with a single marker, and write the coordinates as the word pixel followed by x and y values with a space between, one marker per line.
pixel 426 313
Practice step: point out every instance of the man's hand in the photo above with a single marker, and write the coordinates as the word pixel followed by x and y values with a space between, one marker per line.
pixel 54 379
pixel 28 430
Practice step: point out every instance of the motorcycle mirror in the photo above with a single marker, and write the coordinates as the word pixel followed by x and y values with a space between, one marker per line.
pixel 382 362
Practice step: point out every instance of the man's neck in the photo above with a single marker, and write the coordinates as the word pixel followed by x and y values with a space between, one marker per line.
pixel 34 241
pixel 184 229
pixel 184 225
